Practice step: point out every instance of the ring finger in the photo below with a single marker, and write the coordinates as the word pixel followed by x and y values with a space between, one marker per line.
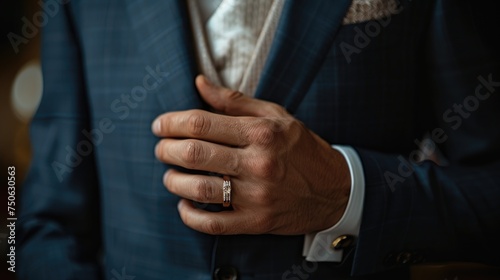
pixel 199 188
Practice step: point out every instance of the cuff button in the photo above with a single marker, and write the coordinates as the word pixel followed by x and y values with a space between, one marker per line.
pixel 342 242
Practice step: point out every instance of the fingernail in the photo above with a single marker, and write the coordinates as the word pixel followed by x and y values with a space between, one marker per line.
pixel 165 177
pixel 156 127
pixel 157 150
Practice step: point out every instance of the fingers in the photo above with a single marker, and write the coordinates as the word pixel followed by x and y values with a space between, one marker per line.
pixel 198 124
pixel 222 129
pixel 220 223
pixel 199 188
pixel 199 155
pixel 206 189
pixel 200 140
pixel 234 103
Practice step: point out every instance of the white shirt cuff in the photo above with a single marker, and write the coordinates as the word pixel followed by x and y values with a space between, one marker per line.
pixel 317 246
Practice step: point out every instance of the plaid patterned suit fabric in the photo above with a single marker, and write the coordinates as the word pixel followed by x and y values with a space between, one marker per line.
pixel 110 67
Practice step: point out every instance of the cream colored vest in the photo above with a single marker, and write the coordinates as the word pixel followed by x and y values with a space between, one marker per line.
pixel 233 39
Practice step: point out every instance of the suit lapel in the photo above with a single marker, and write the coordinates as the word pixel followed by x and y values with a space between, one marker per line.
pixel 303 38
pixel 305 34
pixel 163 33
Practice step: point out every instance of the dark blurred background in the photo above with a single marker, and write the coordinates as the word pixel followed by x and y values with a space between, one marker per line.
pixel 20 92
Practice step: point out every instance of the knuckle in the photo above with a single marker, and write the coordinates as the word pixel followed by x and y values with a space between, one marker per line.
pixel 267 168
pixel 261 196
pixel 233 164
pixel 234 94
pixel 197 123
pixel 264 133
pixel 295 127
pixel 277 109
pixel 192 154
pixel 213 226
pixel 202 191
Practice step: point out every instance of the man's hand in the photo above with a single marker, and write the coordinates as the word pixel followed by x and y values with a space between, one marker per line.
pixel 285 179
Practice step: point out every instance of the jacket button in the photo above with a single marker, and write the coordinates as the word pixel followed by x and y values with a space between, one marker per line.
pixel 404 258
pixel 225 273
pixel 342 242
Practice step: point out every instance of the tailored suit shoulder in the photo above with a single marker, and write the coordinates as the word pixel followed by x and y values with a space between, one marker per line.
pixel 94 207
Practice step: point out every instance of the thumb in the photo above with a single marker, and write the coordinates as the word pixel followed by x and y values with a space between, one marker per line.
pixel 234 103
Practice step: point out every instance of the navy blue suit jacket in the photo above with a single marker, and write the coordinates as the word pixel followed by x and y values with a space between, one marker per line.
pixel 92 211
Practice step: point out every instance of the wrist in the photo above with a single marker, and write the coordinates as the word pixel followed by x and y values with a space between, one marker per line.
pixel 342 185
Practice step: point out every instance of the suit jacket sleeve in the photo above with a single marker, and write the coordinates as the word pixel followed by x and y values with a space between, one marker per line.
pixel 58 229
pixel 421 211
